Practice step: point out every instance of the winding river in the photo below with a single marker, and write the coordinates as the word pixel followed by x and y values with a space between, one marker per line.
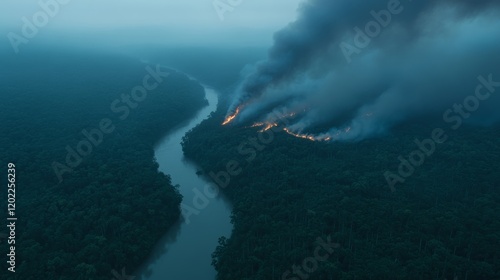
pixel 185 252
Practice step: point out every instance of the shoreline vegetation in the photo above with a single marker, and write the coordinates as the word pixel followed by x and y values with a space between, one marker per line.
pixel 111 210
pixel 441 224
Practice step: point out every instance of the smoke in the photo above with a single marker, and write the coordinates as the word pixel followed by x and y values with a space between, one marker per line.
pixel 360 67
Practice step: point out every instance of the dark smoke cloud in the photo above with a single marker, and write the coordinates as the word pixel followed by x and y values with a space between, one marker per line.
pixel 427 57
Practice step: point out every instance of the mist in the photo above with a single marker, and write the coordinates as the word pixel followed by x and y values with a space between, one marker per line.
pixel 116 24
pixel 355 69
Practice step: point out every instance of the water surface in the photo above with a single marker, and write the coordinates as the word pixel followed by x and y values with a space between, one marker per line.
pixel 185 252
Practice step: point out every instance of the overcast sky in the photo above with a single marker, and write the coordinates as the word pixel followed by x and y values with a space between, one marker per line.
pixel 188 21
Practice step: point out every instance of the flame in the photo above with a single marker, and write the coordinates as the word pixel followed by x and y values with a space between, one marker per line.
pixel 259 124
pixel 298 135
pixel 310 137
pixel 269 126
pixel 230 118
pixel 266 125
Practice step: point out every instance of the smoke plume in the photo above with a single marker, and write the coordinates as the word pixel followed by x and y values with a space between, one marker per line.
pixel 353 69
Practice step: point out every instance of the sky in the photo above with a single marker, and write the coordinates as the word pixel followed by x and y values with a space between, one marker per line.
pixel 166 21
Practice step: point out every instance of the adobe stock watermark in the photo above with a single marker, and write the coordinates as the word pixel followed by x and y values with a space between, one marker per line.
pixel 454 116
pixel 31 26
pixel 223 6
pixel 248 149
pixel 122 276
pixel 122 107
pixel 309 265
pixel 363 37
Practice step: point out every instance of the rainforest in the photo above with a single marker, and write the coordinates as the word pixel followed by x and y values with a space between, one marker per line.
pixel 250 140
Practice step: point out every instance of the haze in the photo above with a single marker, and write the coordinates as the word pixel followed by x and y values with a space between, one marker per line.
pixel 152 21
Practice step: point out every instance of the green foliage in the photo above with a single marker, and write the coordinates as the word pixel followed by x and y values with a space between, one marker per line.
pixel 444 222
pixel 112 209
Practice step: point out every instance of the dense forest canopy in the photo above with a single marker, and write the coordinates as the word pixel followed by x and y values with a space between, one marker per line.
pixel 114 205
pixel 290 196
pixel 305 140
pixel 289 193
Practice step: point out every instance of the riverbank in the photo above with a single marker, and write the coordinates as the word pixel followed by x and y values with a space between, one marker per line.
pixel 185 252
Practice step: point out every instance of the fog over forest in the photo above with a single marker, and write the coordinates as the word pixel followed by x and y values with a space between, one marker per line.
pixel 250 140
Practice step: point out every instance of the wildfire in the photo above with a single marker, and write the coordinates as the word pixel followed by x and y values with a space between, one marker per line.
pixel 269 124
pixel 230 118
pixel 259 124
pixel 266 125
pixel 303 136
pixel 310 137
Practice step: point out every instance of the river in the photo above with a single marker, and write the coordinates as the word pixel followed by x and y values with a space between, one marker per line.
pixel 185 251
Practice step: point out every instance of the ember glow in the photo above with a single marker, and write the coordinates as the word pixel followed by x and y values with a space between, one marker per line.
pixel 269 126
pixel 273 121
pixel 231 117
pixel 317 62
pixel 307 136
pixel 266 125
pixel 259 124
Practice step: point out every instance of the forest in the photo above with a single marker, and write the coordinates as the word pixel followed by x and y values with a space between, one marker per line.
pixel 290 195
pixel 272 140
pixel 111 209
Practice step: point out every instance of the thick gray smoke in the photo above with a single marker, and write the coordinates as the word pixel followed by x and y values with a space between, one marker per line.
pixel 361 67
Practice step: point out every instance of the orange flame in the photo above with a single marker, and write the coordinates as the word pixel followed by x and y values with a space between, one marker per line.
pixel 266 125
pixel 230 118
pixel 322 138
pixel 258 124
pixel 298 135
pixel 269 126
